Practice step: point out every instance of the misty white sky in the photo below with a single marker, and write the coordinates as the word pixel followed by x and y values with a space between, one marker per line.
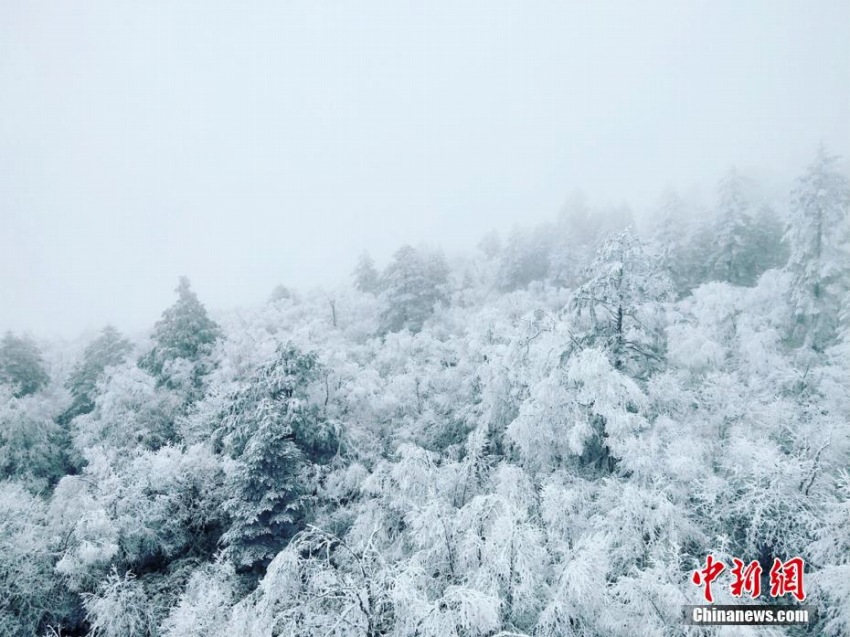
pixel 247 144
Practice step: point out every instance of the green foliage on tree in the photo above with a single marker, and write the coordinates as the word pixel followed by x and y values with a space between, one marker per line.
pixel 185 332
pixel 272 431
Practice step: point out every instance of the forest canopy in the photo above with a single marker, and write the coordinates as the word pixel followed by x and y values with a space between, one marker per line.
pixel 545 436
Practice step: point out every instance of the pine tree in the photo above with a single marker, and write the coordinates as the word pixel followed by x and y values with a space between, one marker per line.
pixel 184 332
pixel 525 258
pixel 768 248
pixel 697 257
pixel 730 257
pixel 366 278
pixel 669 234
pixel 107 350
pixel 21 365
pixel 819 239
pixel 413 284
pixel 574 240
pixel 267 428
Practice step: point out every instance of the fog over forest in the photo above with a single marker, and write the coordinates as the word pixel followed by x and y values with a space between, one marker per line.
pixel 423 320
pixel 245 148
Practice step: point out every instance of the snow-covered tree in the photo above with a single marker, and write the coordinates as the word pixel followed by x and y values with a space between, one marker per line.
pixel 120 608
pixel 320 586
pixel 584 413
pixel 618 307
pixel 818 234
pixel 490 244
pixel 730 257
pixel 32 445
pixel 21 366
pixel 107 350
pixel 129 411
pixel 413 283
pixel 204 607
pixel 184 333
pixel 450 457
pixel 366 277
pixel 30 595
pixel 671 241
pixel 525 258
pixel 280 293
pixel 268 428
pixel 767 245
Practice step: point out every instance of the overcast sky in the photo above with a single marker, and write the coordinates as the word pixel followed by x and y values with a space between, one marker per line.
pixel 247 144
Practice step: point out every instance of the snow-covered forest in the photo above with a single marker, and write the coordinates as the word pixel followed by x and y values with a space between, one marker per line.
pixel 545 436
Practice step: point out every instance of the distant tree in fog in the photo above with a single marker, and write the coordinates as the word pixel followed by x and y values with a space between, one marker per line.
pixel 524 258
pixel 768 245
pixel 413 283
pixel 279 293
pixel 490 244
pixel 819 238
pixel 730 256
pixel 107 350
pixel 21 366
pixel 366 277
